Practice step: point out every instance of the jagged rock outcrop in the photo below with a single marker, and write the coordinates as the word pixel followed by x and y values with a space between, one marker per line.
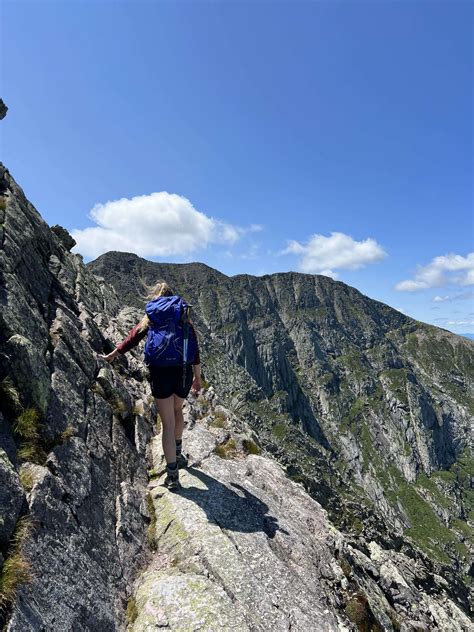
pixel 3 110
pixel 73 437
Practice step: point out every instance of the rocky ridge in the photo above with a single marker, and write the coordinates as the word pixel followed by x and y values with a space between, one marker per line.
pixel 242 547
pixel 371 410
pixel 82 541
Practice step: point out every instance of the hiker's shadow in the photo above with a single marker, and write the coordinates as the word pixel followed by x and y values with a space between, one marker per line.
pixel 233 510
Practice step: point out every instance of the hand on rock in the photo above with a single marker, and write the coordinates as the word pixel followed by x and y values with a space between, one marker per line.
pixel 111 356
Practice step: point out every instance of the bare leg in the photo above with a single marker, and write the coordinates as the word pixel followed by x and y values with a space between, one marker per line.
pixel 166 410
pixel 178 417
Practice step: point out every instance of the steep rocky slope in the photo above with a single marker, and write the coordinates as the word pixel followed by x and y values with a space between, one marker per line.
pixel 87 540
pixel 370 409
pixel 73 437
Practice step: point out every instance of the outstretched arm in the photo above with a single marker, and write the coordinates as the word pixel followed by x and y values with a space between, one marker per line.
pixel 110 357
pixel 133 338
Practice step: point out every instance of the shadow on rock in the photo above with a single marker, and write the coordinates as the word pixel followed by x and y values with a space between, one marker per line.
pixel 233 510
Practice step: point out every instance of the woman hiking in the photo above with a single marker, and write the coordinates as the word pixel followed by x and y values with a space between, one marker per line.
pixel 174 365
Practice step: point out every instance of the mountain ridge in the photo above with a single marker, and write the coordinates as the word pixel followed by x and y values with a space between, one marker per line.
pixel 333 366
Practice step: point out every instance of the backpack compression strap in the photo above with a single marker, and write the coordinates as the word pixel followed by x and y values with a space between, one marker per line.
pixel 185 321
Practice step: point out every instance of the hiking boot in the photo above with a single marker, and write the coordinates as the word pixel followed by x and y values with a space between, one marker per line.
pixel 172 478
pixel 182 460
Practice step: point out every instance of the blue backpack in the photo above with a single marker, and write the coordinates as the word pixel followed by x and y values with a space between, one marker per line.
pixel 168 342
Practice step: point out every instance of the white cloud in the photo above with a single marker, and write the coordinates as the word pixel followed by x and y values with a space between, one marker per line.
pixel 465 296
pixel 159 224
pixel 324 255
pixel 445 270
pixel 460 322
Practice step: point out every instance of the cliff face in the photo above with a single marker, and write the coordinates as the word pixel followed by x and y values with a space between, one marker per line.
pixel 73 437
pixel 353 399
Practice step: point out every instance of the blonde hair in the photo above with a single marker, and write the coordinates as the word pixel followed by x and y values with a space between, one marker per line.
pixel 160 288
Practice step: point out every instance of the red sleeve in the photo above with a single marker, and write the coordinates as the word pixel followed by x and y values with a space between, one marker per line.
pixel 133 338
pixel 197 357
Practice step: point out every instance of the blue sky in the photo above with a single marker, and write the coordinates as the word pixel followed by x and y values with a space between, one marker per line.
pixel 326 137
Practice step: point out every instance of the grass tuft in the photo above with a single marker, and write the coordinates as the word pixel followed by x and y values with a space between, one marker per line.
pixel 26 425
pixel 26 479
pixel 16 570
pixel 346 567
pixel 32 453
pixel 67 434
pixel 226 450
pixel 119 407
pixel 251 447
pixel 132 611
pixel 218 422
pixel 26 428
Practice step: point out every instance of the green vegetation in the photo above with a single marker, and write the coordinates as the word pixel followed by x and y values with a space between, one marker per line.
pixel 32 453
pixel 424 481
pixel 3 203
pixel 132 610
pixel 138 409
pixel 397 383
pixel 346 567
pixel 67 434
pixel 217 422
pixel 26 479
pixel 16 570
pixel 219 419
pixel 280 430
pixel 154 473
pixel 351 419
pixel 26 428
pixel 26 425
pixel 358 611
pixel 119 407
pixel 354 363
pixel 250 447
pixel 226 450
pixel 427 530
pixel 436 354
pixel 151 531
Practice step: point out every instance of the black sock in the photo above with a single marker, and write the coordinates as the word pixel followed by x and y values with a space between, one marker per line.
pixel 179 446
pixel 172 466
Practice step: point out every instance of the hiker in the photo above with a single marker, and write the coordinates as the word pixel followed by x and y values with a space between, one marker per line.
pixel 174 365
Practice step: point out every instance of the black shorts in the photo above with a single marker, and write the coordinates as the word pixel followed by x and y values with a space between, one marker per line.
pixel 168 380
